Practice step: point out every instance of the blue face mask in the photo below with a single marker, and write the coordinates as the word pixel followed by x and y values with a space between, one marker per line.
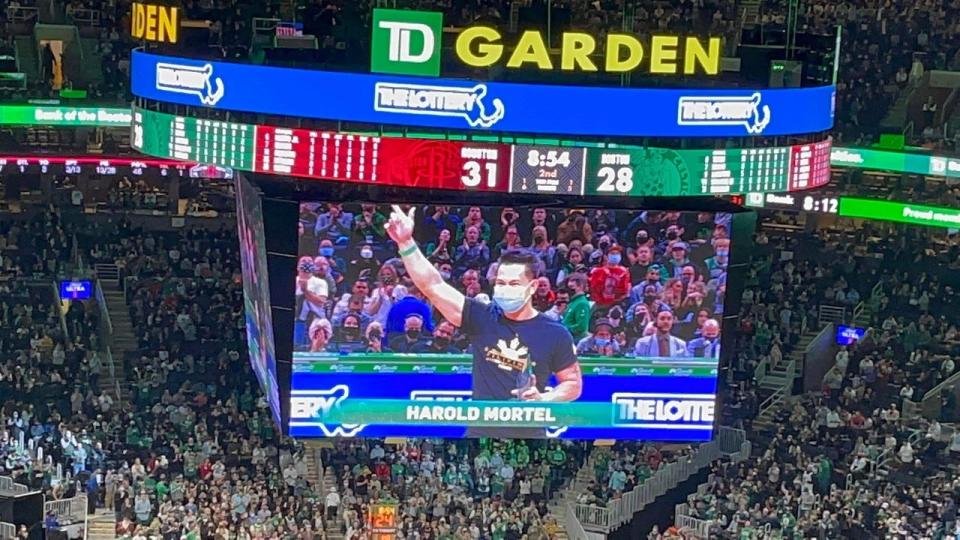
pixel 601 342
pixel 613 258
pixel 326 251
pixel 509 303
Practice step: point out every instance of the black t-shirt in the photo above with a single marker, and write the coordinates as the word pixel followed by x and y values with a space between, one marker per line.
pixel 501 346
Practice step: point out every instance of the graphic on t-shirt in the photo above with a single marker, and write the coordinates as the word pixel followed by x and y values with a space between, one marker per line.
pixel 511 356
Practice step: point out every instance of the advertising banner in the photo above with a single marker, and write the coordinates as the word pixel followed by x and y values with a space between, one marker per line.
pixel 32 115
pixel 483 106
pixel 887 160
pixel 903 212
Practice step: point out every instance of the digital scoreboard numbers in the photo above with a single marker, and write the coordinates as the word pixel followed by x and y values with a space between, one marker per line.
pixel 469 166
pixel 639 172
pixel 547 170
pixel 228 144
pixel 316 154
pixel 434 164
pixel 762 169
pixel 809 166
pixel 382 520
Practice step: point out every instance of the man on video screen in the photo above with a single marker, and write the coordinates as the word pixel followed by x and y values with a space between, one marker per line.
pixel 516 349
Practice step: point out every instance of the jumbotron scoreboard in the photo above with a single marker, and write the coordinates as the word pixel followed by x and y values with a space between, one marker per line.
pixel 311 138
pixel 481 166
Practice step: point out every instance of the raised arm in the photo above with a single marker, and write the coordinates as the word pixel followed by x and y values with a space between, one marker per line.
pixel 448 301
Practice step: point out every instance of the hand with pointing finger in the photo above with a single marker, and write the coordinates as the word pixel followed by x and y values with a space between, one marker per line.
pixel 400 225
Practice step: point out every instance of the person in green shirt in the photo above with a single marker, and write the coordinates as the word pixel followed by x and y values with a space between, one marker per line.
pixel 577 316
pixel 496 485
pixel 161 488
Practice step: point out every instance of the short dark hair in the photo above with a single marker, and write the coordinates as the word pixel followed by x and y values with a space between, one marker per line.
pixel 530 262
pixel 579 279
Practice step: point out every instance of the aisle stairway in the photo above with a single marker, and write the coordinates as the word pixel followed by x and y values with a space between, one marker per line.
pixel 122 339
pixel 333 526
pixel 750 10
pixel 102 525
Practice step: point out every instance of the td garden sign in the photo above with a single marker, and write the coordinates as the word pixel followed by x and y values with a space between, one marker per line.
pixel 409 43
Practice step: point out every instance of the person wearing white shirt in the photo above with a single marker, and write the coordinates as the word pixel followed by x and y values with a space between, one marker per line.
pixel 955 442
pixel 377 453
pixel 833 419
pixel 906 453
pixel 290 475
pixel 934 430
pixel 506 472
pixel 313 290
pixel 946 368
pixel 525 489
pixel 332 503
pixel 906 392
pixel 859 464
pixel 842 359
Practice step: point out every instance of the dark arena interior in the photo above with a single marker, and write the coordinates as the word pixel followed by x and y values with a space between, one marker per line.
pixel 479 270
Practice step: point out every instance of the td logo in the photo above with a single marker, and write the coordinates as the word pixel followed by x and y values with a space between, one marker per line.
pixel 406 42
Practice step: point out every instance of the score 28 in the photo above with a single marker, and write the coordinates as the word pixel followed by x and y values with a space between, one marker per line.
pixel 616 180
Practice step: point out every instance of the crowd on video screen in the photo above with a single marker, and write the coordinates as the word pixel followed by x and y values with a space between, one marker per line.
pixel 626 283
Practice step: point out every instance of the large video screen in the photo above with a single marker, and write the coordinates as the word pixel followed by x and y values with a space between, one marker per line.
pixel 256 292
pixel 444 321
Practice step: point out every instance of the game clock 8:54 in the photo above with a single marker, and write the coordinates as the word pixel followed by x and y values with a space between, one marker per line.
pixel 545 169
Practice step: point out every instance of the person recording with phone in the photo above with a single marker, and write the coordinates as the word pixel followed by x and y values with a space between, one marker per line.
pixel 516 349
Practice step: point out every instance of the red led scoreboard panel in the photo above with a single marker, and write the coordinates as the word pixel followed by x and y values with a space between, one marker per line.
pixel 423 163
pixel 434 163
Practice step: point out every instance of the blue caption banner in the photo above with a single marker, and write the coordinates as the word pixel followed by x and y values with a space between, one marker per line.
pixel 677 406
pixel 486 106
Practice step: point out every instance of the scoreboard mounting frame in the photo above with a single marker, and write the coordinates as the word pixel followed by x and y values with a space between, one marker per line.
pixel 462 165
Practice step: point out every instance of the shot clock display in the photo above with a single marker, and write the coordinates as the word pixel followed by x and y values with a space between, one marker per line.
pixel 482 166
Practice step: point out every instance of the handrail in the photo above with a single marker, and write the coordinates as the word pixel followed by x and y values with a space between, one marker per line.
pixel 828 313
pixel 7 485
pixel 761 370
pixel 264 24
pixel 107 330
pixel 781 393
pixel 876 290
pixel 827 329
pixel 61 315
pixel 728 441
pixel 102 303
pixel 90 17
pixel 942 111
pixel 67 511
pixel 75 254
pixel 929 404
pixel 857 310
pixel 21 14
pixel 700 527
pixel 571 525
